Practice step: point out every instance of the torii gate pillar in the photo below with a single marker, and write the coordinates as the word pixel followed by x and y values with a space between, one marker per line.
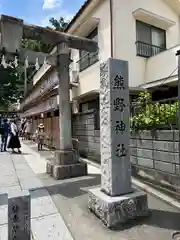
pixel 66 160
pixel 66 163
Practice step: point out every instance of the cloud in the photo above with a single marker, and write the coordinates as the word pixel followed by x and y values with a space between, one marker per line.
pixel 55 9
pixel 51 4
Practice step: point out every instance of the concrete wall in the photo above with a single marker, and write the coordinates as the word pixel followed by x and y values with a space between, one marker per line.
pixel 154 65
pixel 154 155
pixel 89 138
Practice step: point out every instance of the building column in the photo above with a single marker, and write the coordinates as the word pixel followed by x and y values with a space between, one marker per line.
pixel 66 163
pixel 115 201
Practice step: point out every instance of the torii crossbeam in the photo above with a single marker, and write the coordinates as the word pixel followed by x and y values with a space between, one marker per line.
pixel 13 30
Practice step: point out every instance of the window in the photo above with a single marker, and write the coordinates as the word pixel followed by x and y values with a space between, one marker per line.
pixel 86 58
pixel 150 40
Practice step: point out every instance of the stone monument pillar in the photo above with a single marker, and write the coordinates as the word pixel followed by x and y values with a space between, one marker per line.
pixel 66 162
pixel 116 201
pixel 19 216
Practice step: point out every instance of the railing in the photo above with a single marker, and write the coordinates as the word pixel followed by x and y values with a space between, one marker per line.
pixel 155 115
pixel 87 60
pixel 147 50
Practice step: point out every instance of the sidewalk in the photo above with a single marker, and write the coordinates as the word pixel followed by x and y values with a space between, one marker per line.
pixel 20 172
pixel 60 207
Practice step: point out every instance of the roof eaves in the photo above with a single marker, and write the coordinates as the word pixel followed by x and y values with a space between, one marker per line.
pixel 81 10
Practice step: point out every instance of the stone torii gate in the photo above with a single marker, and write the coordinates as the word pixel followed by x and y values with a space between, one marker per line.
pixel 66 162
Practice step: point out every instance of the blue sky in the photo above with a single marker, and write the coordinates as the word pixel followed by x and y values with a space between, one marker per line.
pixel 39 11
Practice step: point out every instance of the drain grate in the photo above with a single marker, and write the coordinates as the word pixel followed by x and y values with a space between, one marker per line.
pixel 176 236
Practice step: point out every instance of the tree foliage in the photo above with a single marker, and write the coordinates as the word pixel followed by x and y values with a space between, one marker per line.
pixel 149 115
pixel 39 46
pixel 11 86
pixel 12 79
pixel 59 25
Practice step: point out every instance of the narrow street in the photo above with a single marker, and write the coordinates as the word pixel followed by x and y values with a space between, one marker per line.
pixel 59 208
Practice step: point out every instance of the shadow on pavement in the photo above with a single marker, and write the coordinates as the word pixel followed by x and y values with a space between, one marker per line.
pixel 157 218
pixel 74 188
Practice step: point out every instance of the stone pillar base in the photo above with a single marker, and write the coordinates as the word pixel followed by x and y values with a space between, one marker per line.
pixel 117 210
pixel 66 171
pixel 65 164
pixel 69 171
pixel 65 157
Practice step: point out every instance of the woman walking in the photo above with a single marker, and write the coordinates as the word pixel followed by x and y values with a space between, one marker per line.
pixel 14 142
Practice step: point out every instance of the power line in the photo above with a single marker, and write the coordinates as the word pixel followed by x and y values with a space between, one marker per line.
pixel 167 78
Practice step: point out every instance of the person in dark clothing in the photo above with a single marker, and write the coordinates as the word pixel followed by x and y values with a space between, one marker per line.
pixel 4 135
pixel 14 141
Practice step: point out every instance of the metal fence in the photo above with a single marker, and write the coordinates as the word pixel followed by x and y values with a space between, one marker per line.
pixel 155 115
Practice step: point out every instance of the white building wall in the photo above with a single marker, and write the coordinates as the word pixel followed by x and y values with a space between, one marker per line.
pixel 141 70
pixel 124 27
pixel 89 78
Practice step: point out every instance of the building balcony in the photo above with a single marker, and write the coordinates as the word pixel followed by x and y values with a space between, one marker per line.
pixel 147 50
pixel 162 68
pixel 87 60
pixel 40 73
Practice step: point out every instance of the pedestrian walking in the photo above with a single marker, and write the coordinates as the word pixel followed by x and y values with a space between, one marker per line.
pixel 5 129
pixel 40 136
pixel 14 142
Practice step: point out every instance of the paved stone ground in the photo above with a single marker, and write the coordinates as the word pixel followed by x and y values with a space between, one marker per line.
pixel 21 172
pixel 70 198
pixel 68 201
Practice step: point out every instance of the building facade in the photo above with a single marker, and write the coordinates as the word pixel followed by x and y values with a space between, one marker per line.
pixel 145 33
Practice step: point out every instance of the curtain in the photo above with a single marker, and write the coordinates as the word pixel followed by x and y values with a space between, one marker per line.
pixel 157 40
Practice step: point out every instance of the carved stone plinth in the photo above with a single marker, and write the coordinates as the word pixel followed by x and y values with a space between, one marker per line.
pixel 65 165
pixel 69 171
pixel 117 210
